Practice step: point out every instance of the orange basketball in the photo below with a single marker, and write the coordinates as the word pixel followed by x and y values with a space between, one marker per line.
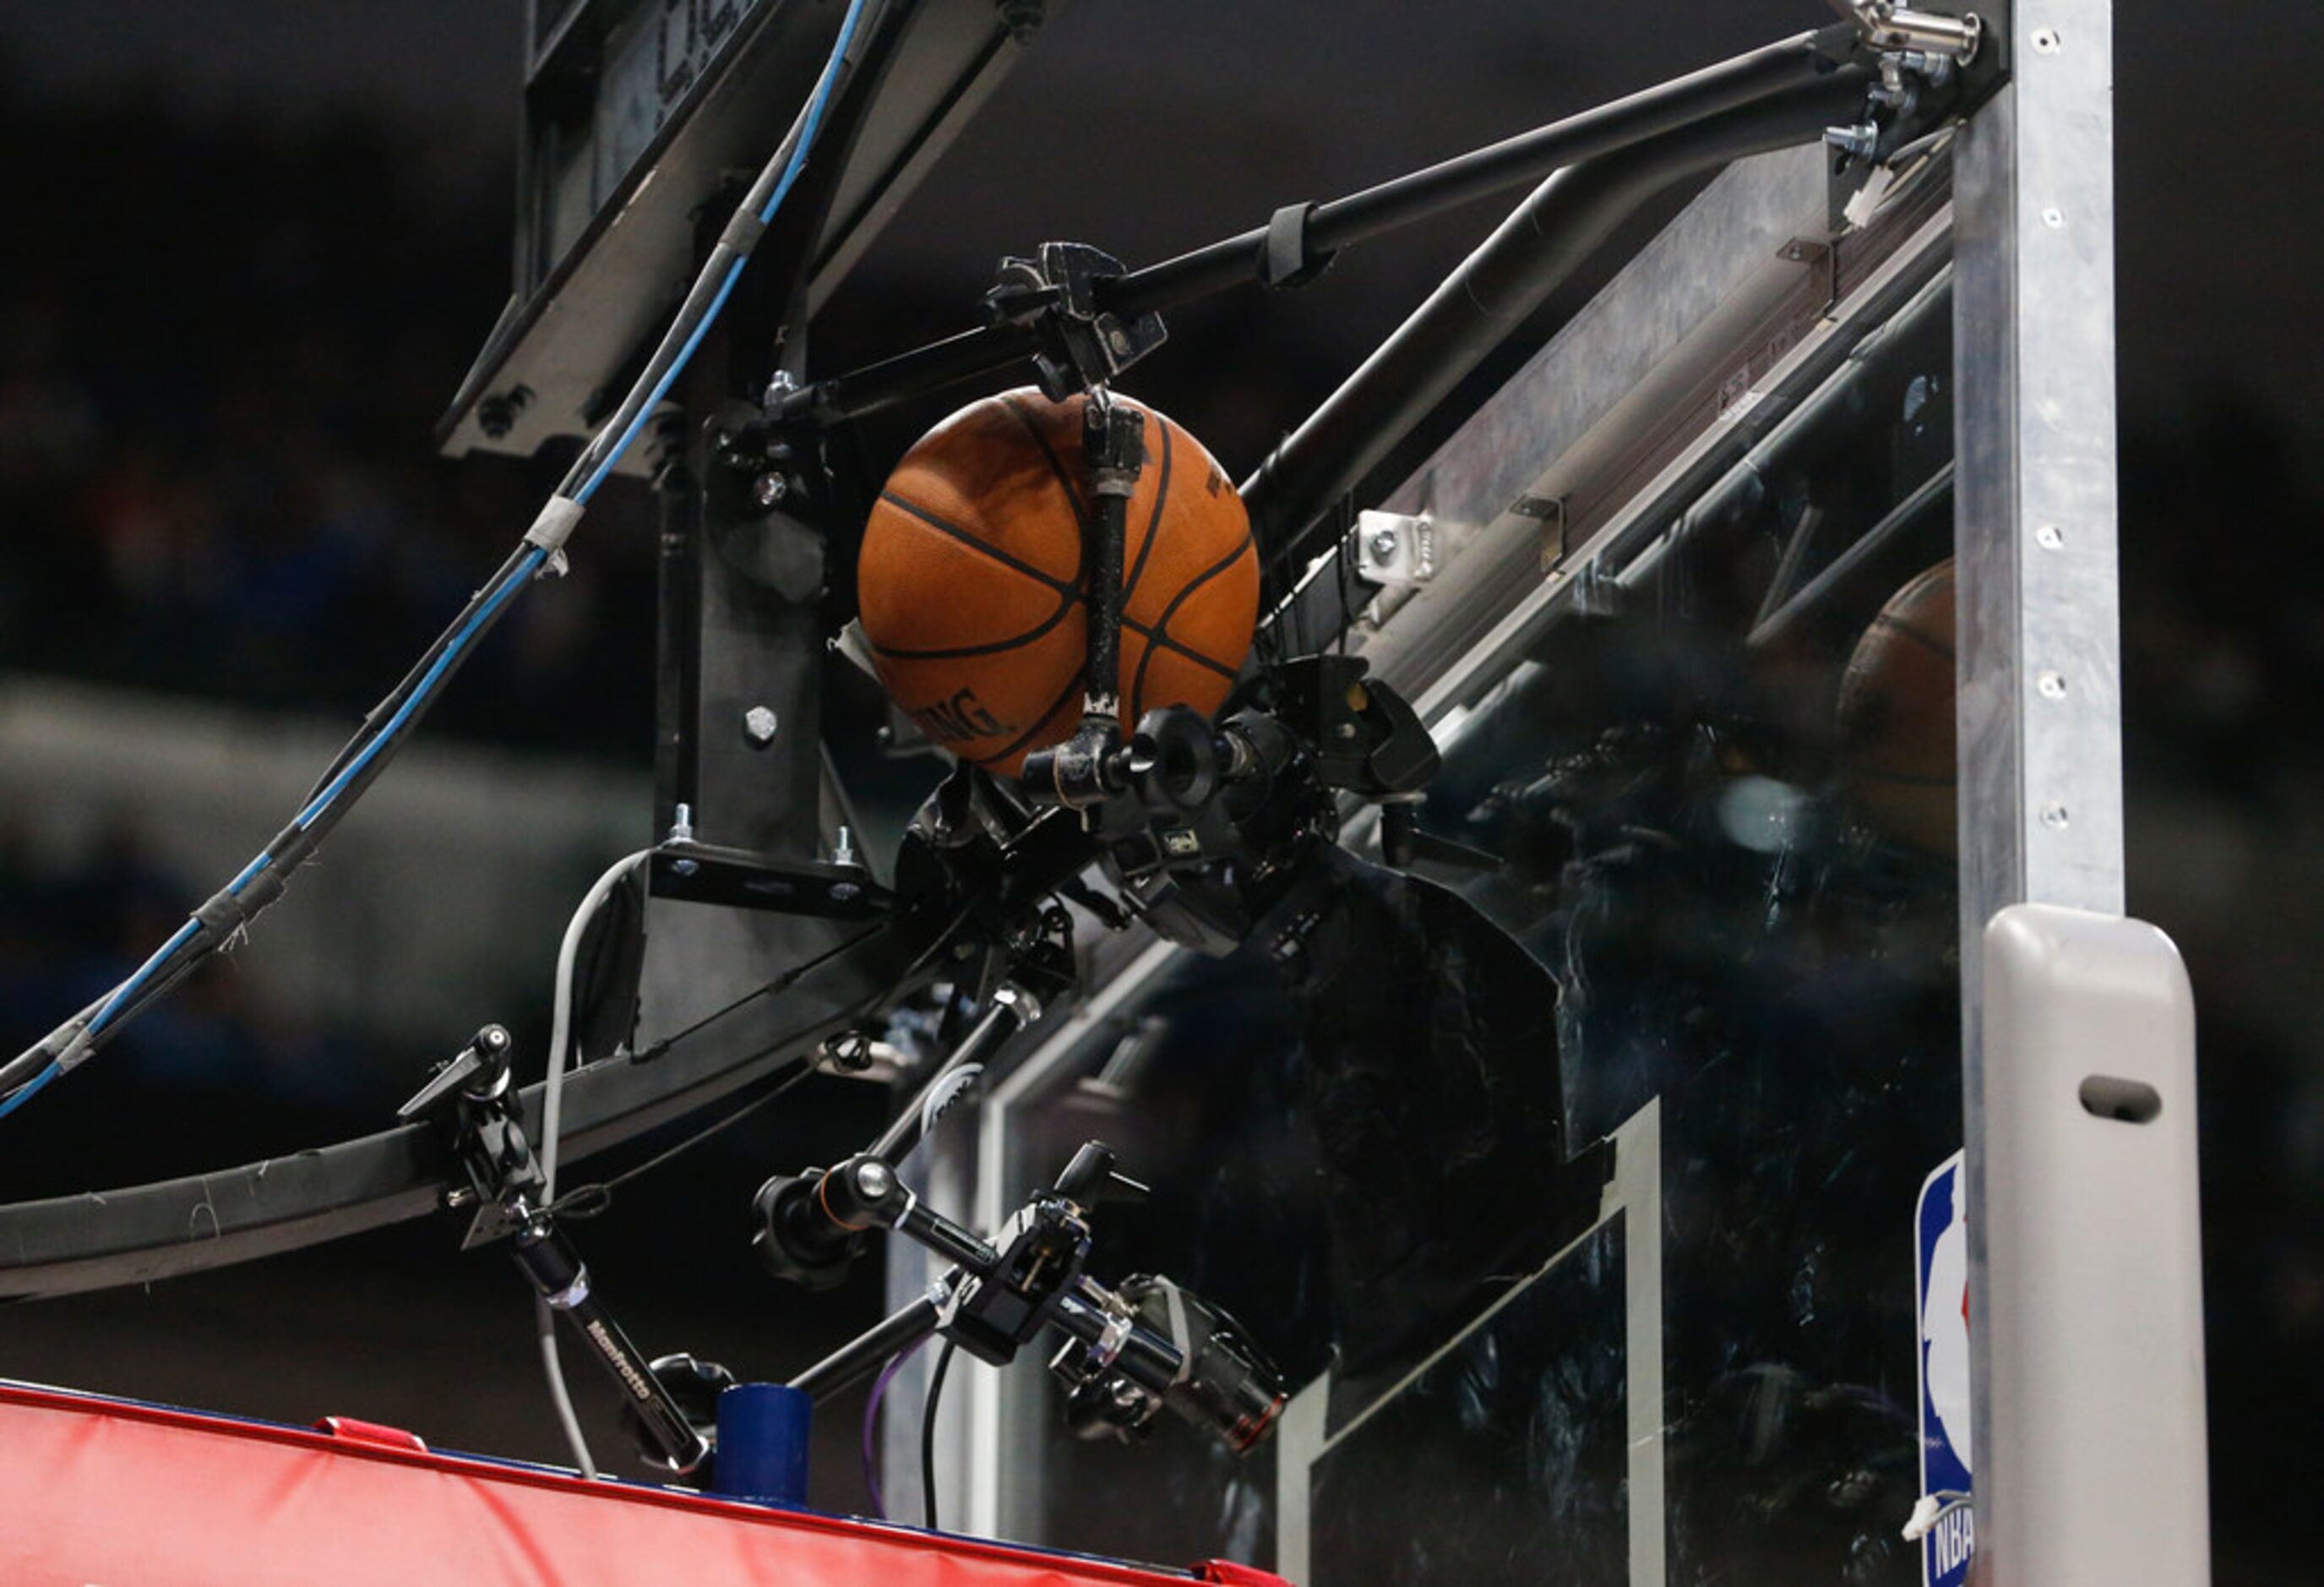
pixel 1896 715
pixel 971 580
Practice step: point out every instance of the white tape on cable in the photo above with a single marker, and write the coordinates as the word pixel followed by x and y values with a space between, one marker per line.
pixel 550 530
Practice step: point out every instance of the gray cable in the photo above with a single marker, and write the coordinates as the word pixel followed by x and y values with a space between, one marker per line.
pixel 552 1124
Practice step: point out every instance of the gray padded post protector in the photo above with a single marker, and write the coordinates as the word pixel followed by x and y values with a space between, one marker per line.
pixel 2093 1468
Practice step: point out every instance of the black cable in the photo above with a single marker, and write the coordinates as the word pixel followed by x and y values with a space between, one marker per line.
pixel 587 1201
pixel 1233 261
pixel 379 714
pixel 929 1433
pixel 782 983
pixel 390 724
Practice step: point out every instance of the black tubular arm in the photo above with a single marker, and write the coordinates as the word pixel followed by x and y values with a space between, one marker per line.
pixel 862 1357
pixel 1532 252
pixel 103 1239
pixel 1239 260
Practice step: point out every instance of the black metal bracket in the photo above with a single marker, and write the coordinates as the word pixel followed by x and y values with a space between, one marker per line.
pixel 1056 295
pixel 737 878
pixel 1291 258
pixel 473 1093
pixel 1936 65
pixel 1130 1351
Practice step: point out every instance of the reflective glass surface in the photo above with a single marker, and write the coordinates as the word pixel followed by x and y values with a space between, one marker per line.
pixel 1719 806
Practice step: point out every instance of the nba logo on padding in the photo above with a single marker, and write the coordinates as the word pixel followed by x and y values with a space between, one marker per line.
pixel 1941 1295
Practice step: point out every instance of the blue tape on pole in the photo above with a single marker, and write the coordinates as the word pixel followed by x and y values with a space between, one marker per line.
pixel 763 1443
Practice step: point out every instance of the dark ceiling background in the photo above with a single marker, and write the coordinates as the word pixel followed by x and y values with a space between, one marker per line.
pixel 252 247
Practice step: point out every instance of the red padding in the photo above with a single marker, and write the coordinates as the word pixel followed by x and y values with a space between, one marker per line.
pixel 1231 1574
pixel 356 1430
pixel 100 1491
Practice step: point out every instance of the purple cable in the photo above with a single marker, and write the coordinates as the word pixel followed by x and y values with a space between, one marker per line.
pixel 871 1424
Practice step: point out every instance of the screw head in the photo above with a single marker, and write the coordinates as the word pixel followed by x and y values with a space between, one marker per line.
pixel 759 724
pixel 769 489
pixel 849 1049
pixel 2045 41
pixel 2052 685
pixel 845 892
pixel 684 867
pixel 1383 543
pixel 2049 537
pixel 2053 814
pixel 875 1180
pixel 2053 218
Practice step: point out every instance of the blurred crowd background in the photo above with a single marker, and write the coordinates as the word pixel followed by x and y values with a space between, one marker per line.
pixel 230 316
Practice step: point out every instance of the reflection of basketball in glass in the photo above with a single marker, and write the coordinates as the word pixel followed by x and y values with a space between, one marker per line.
pixel 1896 715
pixel 971 578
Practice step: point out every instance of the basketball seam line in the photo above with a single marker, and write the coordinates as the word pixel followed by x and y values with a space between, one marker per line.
pixel 1155 636
pixel 1906 779
pixel 1138 682
pixel 1152 636
pixel 1055 585
pixel 1073 497
pixel 1926 642
pixel 963 652
pixel 1072 688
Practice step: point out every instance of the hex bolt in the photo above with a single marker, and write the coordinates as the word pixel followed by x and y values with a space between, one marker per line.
pixel 1860 140
pixel 850 1049
pixel 1023 18
pixel 2052 685
pixel 769 489
pixel 843 846
pixel 496 415
pixel 1383 543
pixel 2049 537
pixel 759 724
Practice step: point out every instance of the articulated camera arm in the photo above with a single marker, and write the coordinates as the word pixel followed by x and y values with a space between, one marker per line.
pixel 1129 1351
pixel 474 1091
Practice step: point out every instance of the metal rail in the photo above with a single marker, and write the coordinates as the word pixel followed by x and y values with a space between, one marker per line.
pixel 1240 260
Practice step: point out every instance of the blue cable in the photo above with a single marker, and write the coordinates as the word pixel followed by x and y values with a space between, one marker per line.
pixel 128 989
pixel 522 573
pixel 24 1093
pixel 185 934
pixel 645 411
pixel 774 202
pixel 322 801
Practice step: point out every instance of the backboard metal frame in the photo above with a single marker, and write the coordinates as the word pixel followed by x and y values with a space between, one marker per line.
pixel 2089 1438
pixel 1726 332
pixel 2019 247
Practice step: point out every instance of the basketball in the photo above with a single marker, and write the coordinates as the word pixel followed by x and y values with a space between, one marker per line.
pixel 1895 710
pixel 971 578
